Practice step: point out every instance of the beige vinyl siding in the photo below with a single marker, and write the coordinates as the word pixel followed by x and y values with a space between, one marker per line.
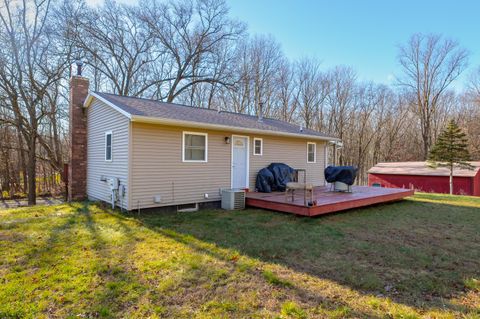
pixel 157 167
pixel 291 151
pixel 100 119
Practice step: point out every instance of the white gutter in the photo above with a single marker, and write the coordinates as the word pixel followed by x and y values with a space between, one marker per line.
pixel 182 123
pixel 338 143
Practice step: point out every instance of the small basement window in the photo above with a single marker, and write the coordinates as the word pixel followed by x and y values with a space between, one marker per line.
pixel 108 146
pixel 195 147
pixel 257 146
pixel 311 152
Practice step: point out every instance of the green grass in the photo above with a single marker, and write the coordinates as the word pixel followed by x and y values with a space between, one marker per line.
pixel 419 258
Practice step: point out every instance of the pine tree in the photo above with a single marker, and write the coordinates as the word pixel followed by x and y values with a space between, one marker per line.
pixel 450 151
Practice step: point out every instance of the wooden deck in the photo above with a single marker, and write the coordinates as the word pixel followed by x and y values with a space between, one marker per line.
pixel 326 200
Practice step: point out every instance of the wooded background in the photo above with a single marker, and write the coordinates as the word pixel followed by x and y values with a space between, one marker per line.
pixel 193 52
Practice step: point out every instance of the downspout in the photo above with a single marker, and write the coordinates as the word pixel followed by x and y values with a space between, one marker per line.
pixel 325 163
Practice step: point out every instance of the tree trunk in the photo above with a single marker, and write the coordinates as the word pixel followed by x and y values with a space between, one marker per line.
pixel 23 165
pixel 31 172
pixel 425 150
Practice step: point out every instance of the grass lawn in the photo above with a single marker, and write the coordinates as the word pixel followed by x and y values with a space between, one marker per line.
pixel 412 259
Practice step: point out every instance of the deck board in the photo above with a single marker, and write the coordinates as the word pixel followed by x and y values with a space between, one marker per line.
pixel 327 201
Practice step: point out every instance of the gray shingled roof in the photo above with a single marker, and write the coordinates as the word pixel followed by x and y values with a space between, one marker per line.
pixel 161 110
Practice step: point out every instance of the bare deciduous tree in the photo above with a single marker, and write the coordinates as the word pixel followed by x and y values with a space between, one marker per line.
pixel 286 97
pixel 187 34
pixel 193 52
pixel 312 91
pixel 430 64
pixel 339 102
pixel 119 47
pixel 31 63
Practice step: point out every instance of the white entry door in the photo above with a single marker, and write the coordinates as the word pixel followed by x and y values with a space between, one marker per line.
pixel 239 162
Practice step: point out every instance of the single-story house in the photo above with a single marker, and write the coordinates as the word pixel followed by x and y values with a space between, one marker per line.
pixel 163 154
pixel 417 175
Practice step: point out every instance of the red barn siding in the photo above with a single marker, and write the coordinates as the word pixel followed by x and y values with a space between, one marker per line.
pixel 431 184
pixel 476 185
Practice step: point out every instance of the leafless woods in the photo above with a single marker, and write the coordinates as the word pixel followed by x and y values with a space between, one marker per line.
pixel 194 52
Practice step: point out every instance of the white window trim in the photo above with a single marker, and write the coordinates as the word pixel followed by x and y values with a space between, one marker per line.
pixel 261 146
pixel 111 146
pixel 183 147
pixel 314 152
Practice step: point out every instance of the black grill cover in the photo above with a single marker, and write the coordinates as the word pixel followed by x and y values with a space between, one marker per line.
pixel 282 174
pixel 264 181
pixel 274 178
pixel 344 174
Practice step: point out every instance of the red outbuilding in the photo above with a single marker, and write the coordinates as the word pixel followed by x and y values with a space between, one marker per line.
pixel 418 176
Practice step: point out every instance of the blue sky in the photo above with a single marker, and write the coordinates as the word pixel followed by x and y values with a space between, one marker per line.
pixel 362 34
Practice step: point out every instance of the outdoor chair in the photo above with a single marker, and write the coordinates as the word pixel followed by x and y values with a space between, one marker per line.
pixel 295 185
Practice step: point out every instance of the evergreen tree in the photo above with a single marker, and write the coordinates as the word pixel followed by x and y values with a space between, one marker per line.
pixel 450 150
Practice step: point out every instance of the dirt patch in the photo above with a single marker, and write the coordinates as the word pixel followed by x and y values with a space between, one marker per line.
pixel 23 202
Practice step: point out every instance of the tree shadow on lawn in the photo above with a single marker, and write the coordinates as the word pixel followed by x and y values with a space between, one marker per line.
pixel 420 249
pixel 117 286
pixel 76 259
pixel 415 253
pixel 190 286
pixel 322 304
pixel 43 261
pixel 77 252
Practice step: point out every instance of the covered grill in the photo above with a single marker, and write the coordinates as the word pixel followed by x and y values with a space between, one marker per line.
pixel 341 177
pixel 274 178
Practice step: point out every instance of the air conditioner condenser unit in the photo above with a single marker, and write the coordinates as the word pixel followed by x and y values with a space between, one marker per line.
pixel 233 199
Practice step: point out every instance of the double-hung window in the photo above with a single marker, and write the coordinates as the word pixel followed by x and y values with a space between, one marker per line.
pixel 195 147
pixel 257 146
pixel 108 146
pixel 311 152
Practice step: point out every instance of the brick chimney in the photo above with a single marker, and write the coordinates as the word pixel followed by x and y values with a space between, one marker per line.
pixel 77 168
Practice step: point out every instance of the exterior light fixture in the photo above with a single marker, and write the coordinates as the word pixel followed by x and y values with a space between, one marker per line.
pixel 227 139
